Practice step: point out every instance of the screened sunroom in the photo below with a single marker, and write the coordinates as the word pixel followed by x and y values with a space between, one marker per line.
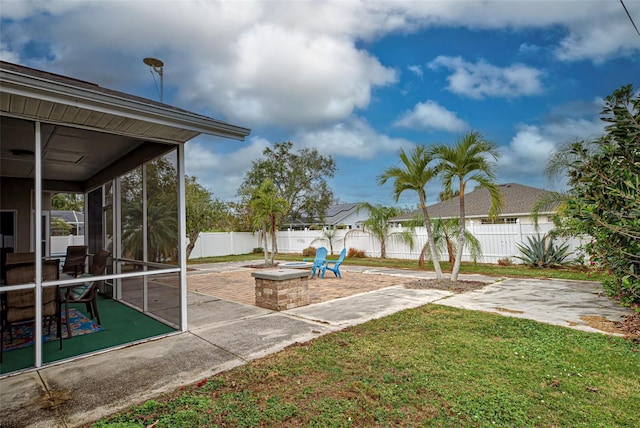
pixel 123 157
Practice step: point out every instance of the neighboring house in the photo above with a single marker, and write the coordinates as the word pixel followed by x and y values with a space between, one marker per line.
pixel 346 216
pixel 63 135
pixel 74 219
pixel 519 202
pixel 343 216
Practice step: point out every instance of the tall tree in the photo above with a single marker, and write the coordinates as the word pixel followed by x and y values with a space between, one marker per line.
pixel 162 211
pixel 378 227
pixel 300 178
pixel 267 208
pixel 465 162
pixel 162 225
pixel 413 175
pixel 68 202
pixel 204 212
pixel 603 200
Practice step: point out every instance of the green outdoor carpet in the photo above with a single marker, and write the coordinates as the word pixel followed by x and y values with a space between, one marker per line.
pixel 121 324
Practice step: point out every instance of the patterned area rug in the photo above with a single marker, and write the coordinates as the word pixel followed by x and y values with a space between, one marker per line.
pixel 23 334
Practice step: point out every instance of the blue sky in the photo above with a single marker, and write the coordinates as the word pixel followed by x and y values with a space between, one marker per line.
pixel 355 80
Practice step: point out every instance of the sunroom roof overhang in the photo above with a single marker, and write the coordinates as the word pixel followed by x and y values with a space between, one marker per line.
pixel 60 100
pixel 89 133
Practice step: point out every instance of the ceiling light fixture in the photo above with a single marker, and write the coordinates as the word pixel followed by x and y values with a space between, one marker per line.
pixel 22 153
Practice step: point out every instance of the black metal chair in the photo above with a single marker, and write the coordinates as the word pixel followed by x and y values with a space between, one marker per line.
pixel 75 260
pixel 88 292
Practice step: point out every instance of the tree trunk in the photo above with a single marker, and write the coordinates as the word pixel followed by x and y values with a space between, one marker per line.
pixel 450 250
pixel 423 256
pixel 264 243
pixel 274 241
pixel 432 243
pixel 193 237
pixel 456 265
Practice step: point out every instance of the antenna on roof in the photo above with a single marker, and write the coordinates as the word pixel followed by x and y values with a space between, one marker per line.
pixel 157 66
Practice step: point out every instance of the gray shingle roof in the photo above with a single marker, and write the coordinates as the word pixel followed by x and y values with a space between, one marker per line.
pixel 336 213
pixel 518 199
pixel 68 216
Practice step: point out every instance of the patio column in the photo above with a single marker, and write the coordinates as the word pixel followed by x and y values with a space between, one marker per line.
pixel 182 230
pixel 38 243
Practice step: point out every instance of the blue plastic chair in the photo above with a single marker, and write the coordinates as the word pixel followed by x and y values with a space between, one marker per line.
pixel 336 264
pixel 318 261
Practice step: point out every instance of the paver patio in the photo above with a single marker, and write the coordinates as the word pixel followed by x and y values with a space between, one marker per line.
pixel 238 286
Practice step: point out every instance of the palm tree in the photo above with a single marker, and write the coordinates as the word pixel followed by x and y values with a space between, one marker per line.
pixel 465 162
pixel 328 234
pixel 445 234
pixel 266 209
pixel 377 226
pixel 162 244
pixel 414 175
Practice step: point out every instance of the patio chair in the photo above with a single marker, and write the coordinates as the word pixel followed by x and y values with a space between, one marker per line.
pixel 18 307
pixel 88 292
pixel 336 264
pixel 76 260
pixel 318 260
pixel 20 258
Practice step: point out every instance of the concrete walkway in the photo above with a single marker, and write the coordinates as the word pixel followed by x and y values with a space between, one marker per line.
pixel 224 334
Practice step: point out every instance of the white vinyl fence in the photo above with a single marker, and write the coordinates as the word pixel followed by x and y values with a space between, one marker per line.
pixel 59 244
pixel 497 240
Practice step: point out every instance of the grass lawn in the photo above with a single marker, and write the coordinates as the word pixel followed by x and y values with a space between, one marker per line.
pixel 429 366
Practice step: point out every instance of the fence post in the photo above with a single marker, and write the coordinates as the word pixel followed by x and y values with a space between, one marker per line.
pixel 519 229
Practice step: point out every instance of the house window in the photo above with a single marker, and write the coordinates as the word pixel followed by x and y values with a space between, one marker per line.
pixel 501 220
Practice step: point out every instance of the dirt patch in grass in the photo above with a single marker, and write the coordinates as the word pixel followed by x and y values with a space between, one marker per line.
pixel 447 284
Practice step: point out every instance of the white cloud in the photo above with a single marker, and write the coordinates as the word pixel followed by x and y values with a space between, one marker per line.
pixel 222 173
pixel 532 146
pixel 353 138
pixel 417 70
pixel 290 63
pixel 599 43
pixel 294 78
pixel 482 80
pixel 431 115
pixel 7 54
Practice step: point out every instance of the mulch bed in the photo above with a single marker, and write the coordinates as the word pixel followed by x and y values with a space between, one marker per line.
pixel 630 326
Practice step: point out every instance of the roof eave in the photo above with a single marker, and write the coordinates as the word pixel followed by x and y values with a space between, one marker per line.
pixel 56 92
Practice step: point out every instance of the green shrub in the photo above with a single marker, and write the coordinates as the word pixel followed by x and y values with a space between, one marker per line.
pixel 309 252
pixel 257 250
pixel 543 252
